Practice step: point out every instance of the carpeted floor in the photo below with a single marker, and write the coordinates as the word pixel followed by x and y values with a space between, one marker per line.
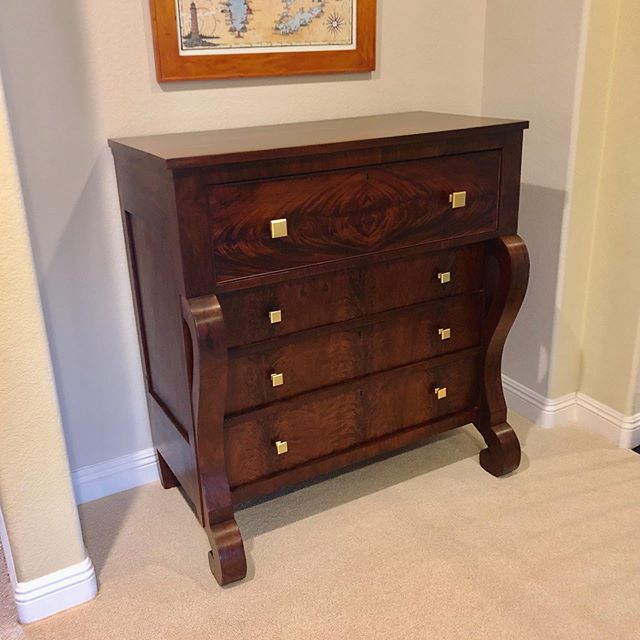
pixel 424 545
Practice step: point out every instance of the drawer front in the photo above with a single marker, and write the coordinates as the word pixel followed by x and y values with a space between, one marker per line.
pixel 306 303
pixel 306 361
pixel 336 215
pixel 323 423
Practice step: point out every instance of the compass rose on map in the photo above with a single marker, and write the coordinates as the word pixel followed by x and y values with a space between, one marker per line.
pixel 334 24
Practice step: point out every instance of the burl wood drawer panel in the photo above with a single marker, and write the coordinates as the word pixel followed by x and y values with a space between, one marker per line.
pixel 335 419
pixel 305 303
pixel 341 214
pixel 279 369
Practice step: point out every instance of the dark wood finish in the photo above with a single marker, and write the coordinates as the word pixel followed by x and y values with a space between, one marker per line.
pixel 152 243
pixel 342 295
pixel 336 215
pixel 329 355
pixel 343 416
pixel 367 451
pixel 171 66
pixel 357 284
pixel 209 384
pixel 168 479
pixel 506 284
pixel 204 149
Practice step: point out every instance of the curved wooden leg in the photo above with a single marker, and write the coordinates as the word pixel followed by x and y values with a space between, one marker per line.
pixel 503 453
pixel 506 279
pixel 227 560
pixel 209 389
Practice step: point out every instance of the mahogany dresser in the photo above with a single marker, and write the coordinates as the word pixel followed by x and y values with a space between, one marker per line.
pixel 313 295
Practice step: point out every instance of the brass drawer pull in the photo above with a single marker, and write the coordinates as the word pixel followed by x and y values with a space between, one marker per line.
pixel 458 199
pixel 282 447
pixel 441 392
pixel 279 228
pixel 444 277
pixel 277 379
pixel 445 334
pixel 275 317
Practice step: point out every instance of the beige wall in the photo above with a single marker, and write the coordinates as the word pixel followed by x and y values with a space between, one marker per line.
pixel 599 316
pixel 90 77
pixel 636 407
pixel 596 91
pixel 35 490
pixel 531 67
pixel 613 300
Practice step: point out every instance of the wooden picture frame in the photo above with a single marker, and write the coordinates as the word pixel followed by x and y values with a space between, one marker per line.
pixel 206 57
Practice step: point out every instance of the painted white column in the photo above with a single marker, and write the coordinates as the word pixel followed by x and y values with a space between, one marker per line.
pixel 39 527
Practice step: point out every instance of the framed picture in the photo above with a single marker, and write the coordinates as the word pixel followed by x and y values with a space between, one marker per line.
pixel 208 39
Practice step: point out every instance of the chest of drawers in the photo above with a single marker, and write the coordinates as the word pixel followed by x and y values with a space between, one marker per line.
pixel 310 296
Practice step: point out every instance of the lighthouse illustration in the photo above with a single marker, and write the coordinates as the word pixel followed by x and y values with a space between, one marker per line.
pixel 195 29
pixel 201 19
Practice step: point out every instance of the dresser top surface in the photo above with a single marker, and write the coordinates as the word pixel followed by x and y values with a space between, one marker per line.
pixel 200 148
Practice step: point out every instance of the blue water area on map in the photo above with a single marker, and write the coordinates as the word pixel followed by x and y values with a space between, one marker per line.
pixel 239 12
pixel 292 24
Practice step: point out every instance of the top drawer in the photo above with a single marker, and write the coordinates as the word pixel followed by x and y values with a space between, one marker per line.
pixel 340 214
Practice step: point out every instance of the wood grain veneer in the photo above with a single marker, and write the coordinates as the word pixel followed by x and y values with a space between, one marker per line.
pixel 336 215
pixel 328 355
pixel 345 294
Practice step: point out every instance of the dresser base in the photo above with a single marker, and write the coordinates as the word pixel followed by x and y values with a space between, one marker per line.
pixel 507 271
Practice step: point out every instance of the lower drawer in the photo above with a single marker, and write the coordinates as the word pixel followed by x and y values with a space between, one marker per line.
pixel 305 303
pixel 338 418
pixel 283 368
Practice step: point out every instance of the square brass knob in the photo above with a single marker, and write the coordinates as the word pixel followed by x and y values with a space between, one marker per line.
pixel 445 334
pixel 282 447
pixel 279 228
pixel 444 277
pixel 275 317
pixel 441 392
pixel 458 199
pixel 277 379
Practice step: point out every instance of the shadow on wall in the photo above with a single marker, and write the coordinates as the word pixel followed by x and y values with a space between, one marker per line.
pixel 68 185
pixel 528 348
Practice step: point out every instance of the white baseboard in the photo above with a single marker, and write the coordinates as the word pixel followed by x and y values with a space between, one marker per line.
pixel 613 425
pixel 544 412
pixel 106 478
pixel 575 409
pixel 55 592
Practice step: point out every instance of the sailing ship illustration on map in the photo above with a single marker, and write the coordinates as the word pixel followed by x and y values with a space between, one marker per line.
pixel 225 26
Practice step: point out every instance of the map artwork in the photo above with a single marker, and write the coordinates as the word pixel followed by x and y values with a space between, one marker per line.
pixel 208 27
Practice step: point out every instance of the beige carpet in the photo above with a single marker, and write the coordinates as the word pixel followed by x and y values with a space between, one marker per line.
pixel 424 545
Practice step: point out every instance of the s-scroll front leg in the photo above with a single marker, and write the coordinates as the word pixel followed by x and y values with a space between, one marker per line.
pixel 506 279
pixel 209 389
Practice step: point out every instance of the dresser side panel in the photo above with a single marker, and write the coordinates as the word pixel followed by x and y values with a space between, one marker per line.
pixel 148 209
